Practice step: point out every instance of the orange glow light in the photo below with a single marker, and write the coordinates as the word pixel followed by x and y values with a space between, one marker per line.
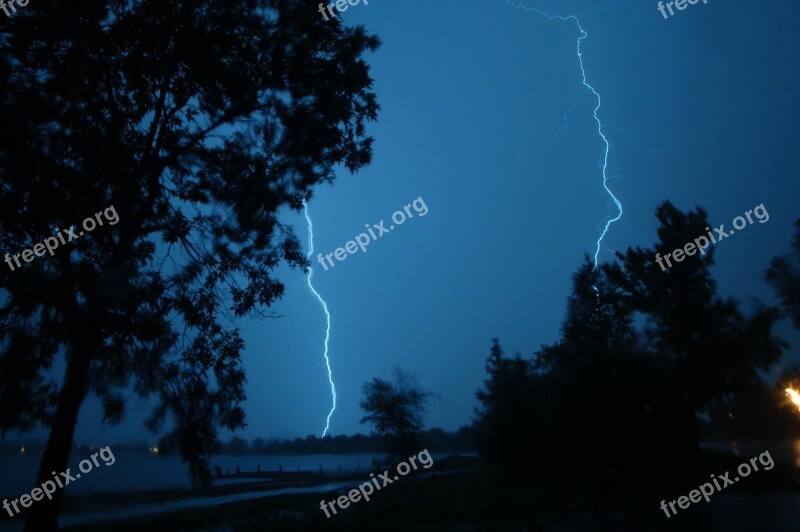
pixel 794 397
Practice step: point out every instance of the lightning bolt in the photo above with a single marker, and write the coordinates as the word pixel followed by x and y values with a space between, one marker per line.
pixel 604 159
pixel 327 316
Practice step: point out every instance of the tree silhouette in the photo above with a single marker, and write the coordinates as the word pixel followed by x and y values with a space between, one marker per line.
pixel 395 410
pixel 597 399
pixel 784 276
pixel 197 122
pixel 510 417
pixel 641 351
pixel 605 381
pixel 711 344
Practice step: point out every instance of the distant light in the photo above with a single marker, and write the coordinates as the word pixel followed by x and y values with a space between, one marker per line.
pixel 22 450
pixel 794 397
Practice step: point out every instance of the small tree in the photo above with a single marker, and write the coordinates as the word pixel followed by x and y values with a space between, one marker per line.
pixel 395 409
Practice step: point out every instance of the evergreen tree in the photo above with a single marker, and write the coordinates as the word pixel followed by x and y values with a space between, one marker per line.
pixel 507 424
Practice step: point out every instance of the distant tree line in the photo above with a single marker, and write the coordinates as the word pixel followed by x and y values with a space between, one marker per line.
pixel 435 440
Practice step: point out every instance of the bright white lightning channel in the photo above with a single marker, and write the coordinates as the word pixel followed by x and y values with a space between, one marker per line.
pixel 327 316
pixel 604 164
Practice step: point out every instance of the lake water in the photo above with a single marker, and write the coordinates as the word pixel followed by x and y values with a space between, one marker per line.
pixel 136 471
pixel 139 471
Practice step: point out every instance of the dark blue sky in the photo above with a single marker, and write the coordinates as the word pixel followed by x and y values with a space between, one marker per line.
pixel 473 96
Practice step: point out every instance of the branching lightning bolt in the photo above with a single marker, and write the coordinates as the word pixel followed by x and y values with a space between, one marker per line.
pixel 327 317
pixel 604 160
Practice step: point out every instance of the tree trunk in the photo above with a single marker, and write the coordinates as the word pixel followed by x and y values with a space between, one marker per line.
pixel 44 514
